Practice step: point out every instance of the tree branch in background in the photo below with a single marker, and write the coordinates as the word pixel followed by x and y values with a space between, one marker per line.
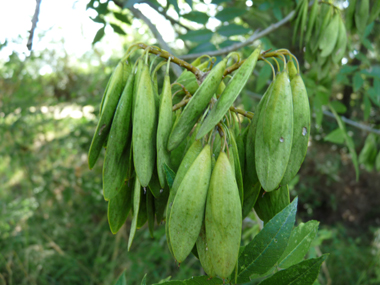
pixel 137 13
pixel 34 24
pixel 256 35
pixel 329 114
pixel 165 14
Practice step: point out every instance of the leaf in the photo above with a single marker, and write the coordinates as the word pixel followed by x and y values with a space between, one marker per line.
pixel 122 280
pixel 197 17
pixel 199 280
pixel 375 11
pixel 267 247
pixel 339 107
pixel 165 280
pixel 175 5
pixel 367 107
pixel 367 43
pixel 228 43
pixel 170 175
pixel 336 136
pixel 217 2
pixel 357 81
pixel 232 29
pixel 304 273
pixel 277 13
pixel 361 15
pixel 102 8
pixel 198 36
pixel 299 243
pixel 117 29
pixel 122 17
pixel 143 282
pixel 229 13
pixel 99 35
pixel 349 141
pixel 190 3
pixel 99 19
pixel 348 69
pixel 203 47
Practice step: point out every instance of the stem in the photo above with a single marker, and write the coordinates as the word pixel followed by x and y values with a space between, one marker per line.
pixel 164 54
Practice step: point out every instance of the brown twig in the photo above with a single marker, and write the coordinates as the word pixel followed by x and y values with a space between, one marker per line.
pixel 34 24
pixel 164 54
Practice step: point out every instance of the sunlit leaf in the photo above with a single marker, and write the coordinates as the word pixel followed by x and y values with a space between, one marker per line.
pixel 175 5
pixel 117 29
pixel 99 35
pixel 267 247
pixel 122 17
pixel 299 244
pixel 304 273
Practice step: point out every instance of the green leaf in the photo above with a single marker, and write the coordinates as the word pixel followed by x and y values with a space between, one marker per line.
pixel 277 13
pixel 99 19
pixel 197 17
pixel 336 136
pixel 122 17
pixel 367 43
pixel 304 273
pixel 230 13
pixel 374 92
pixel 199 280
pixel 190 3
pixel 367 107
pixel 357 81
pixel 339 107
pixel 373 71
pixel 349 141
pixel 348 69
pixel 102 8
pixel 175 5
pixel 217 2
pixel 203 47
pixel 267 247
pixel 122 280
pixel 228 43
pixel 117 29
pixel 232 29
pixel 165 280
pixel 170 175
pixel 143 282
pixel 198 36
pixel 99 35
pixel 299 243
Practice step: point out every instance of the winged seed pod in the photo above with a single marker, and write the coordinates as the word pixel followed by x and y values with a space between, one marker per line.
pixel 274 134
pixel 312 20
pixel 113 92
pixel 203 252
pixel 188 208
pixel 196 105
pixel 292 70
pixel 350 15
pixel 118 147
pixel 223 218
pixel 144 129
pixel 185 165
pixel 251 138
pixel 119 207
pixel 301 128
pixel 165 123
pixel 229 94
pixel 135 209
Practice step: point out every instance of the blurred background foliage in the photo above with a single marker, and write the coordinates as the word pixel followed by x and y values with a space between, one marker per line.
pixel 53 221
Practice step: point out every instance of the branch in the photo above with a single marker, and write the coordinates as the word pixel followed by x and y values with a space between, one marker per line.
pixel 165 14
pixel 256 35
pixel 329 114
pixel 34 24
pixel 137 13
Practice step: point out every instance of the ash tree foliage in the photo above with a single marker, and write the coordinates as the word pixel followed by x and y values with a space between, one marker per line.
pixel 235 160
